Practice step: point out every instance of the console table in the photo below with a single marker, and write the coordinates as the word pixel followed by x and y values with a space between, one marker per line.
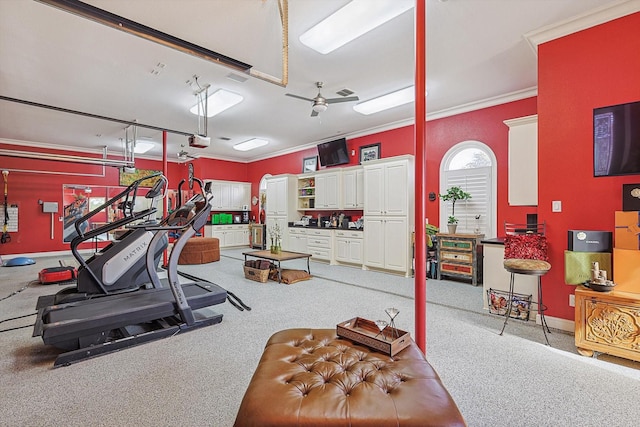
pixel 608 322
pixel 460 255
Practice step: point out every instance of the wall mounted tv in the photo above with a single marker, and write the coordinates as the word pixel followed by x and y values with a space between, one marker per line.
pixel 616 140
pixel 333 153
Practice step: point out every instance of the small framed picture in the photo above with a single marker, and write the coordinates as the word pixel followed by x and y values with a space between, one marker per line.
pixel 369 152
pixel 310 164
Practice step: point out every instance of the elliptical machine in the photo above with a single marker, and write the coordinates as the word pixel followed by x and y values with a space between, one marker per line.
pixel 92 327
pixel 121 265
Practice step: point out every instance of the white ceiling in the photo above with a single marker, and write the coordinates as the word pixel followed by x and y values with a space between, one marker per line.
pixel 476 51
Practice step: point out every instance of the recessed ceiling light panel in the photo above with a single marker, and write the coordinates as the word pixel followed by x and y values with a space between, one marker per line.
pixel 218 101
pixel 143 146
pixel 385 102
pixel 353 20
pixel 250 144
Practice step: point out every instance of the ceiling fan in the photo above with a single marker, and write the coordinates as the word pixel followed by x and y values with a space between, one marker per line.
pixel 320 103
pixel 184 155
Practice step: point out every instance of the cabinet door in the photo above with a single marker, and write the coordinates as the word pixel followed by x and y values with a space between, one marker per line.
pixel 375 247
pixel 332 191
pixel 374 190
pixel 396 243
pixel 225 195
pixel 218 234
pixel 349 189
pixel 395 185
pixel 342 249
pixel 359 189
pixel 216 192
pixel 355 251
pixel 276 189
pixel 240 237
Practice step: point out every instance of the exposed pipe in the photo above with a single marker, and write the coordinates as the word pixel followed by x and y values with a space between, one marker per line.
pixel 93 116
pixel 283 8
pixel 66 158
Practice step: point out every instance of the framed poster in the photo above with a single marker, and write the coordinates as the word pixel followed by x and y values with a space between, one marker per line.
pixel 369 152
pixel 310 164
pixel 126 178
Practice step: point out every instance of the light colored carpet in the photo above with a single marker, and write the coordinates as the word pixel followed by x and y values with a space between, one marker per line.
pixel 199 378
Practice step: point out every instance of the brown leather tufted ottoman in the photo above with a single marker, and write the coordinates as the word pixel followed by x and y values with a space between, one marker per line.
pixel 200 250
pixel 310 377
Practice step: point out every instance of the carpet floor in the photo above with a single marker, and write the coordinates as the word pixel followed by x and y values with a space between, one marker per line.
pixel 198 378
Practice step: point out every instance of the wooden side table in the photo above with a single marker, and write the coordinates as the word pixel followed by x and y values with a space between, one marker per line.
pixel 460 255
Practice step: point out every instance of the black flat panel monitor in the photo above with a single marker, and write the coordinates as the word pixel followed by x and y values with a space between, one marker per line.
pixel 333 153
pixel 616 140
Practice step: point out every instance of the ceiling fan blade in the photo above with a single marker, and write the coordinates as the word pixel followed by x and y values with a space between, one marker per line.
pixel 346 99
pixel 299 97
pixel 314 113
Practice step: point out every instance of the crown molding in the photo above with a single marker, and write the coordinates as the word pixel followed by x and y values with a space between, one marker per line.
pixel 589 19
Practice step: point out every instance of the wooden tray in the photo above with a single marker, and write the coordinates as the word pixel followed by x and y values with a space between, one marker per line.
pixel 364 332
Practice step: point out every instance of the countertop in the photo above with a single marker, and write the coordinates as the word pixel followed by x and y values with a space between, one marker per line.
pixel 325 228
pixel 494 241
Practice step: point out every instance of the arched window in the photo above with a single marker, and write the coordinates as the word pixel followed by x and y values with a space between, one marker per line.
pixel 470 165
pixel 263 190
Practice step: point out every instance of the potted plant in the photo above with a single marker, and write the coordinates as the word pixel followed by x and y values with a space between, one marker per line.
pixel 454 194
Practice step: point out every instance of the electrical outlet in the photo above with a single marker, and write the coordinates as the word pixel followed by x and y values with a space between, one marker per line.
pixel 556 206
pixel 572 300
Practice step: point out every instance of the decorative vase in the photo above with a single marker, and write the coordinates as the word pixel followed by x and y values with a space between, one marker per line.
pixel 452 228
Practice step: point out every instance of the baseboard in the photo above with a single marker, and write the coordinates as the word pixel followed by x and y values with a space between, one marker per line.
pixel 558 323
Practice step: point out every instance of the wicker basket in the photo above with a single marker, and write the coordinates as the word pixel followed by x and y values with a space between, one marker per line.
pixel 256 275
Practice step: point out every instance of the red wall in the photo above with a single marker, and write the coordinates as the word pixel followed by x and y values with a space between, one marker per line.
pixel 592 68
pixel 26 188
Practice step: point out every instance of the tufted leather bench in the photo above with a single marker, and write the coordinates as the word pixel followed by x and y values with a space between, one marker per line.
pixel 311 377
pixel 200 250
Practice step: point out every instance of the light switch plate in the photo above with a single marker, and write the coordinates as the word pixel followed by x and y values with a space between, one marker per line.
pixel 556 206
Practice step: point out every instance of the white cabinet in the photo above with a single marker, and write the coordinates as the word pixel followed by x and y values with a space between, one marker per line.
pixel 320 244
pixel 353 188
pixel 387 243
pixel 240 195
pixel 328 190
pixel 386 188
pixel 349 246
pixel 229 235
pixel 230 195
pixel 281 195
pixel 281 205
pixel 284 231
pixel 523 161
pixel 388 213
pixel 298 240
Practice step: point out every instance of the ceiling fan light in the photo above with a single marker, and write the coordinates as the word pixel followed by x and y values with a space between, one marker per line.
pixel 250 144
pixel 319 108
pixel 219 101
pixel 350 22
pixel 385 102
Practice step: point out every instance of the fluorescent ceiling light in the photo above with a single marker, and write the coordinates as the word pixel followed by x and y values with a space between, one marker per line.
pixel 250 144
pixel 217 102
pixel 352 21
pixel 390 100
pixel 143 147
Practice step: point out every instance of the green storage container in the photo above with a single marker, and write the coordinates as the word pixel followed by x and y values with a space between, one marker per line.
pixel 215 219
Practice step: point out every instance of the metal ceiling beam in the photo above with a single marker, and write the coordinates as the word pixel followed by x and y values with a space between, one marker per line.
pixel 93 116
pixel 128 26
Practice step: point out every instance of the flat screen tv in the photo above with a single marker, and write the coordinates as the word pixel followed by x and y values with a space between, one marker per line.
pixel 333 153
pixel 616 140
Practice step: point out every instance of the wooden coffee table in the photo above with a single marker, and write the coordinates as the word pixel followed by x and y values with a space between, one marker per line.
pixel 278 258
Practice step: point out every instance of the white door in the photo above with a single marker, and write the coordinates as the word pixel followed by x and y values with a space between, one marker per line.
pixel 396 242
pixel 396 195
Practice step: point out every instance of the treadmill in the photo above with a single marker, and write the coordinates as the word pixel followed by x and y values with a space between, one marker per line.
pixel 92 327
